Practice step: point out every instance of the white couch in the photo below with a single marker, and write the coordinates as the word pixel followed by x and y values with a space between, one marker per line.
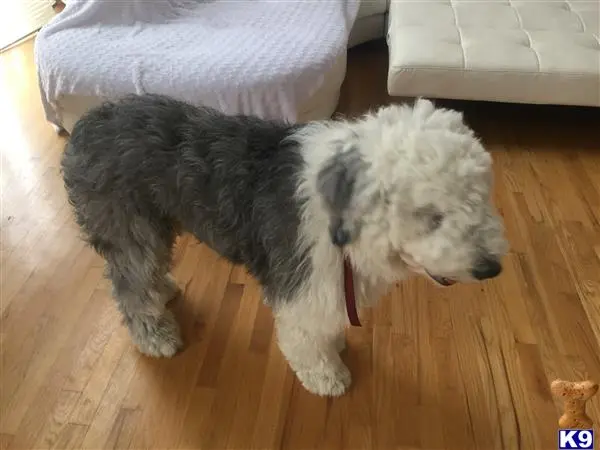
pixel 263 60
pixel 370 24
pixel 518 51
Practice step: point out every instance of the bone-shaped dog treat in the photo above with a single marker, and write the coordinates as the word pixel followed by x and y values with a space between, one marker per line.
pixel 575 394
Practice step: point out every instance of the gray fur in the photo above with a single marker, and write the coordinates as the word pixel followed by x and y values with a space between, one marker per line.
pixel 336 183
pixel 140 169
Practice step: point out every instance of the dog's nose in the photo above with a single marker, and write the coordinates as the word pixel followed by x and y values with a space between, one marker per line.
pixel 486 268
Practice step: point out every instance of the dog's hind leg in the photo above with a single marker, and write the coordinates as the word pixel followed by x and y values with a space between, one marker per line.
pixel 138 269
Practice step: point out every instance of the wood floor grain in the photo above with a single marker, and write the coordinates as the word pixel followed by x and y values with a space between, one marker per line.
pixel 462 368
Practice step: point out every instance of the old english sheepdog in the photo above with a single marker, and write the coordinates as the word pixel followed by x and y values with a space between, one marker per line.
pixel 322 214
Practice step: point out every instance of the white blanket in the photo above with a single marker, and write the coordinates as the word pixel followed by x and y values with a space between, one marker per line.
pixel 250 57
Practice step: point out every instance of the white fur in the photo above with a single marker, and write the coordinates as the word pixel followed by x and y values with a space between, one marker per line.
pixel 415 159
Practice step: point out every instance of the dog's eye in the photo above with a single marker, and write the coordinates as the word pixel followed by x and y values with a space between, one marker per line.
pixel 430 217
pixel 436 221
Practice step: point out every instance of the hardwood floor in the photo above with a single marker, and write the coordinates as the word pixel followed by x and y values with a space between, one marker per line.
pixel 462 368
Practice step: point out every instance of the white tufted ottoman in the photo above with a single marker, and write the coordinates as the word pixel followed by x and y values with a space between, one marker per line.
pixel 545 52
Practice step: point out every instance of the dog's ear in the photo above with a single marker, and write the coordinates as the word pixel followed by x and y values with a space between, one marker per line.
pixel 336 183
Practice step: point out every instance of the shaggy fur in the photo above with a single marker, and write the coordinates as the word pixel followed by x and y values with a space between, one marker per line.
pixel 399 191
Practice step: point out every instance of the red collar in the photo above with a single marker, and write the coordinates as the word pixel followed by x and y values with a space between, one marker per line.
pixel 349 294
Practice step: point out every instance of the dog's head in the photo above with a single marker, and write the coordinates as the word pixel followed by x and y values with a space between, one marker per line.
pixel 409 187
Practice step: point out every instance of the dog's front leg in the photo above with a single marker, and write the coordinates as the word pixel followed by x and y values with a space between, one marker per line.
pixel 311 346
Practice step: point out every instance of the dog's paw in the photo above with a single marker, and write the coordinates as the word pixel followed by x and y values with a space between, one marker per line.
pixel 158 338
pixel 326 381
